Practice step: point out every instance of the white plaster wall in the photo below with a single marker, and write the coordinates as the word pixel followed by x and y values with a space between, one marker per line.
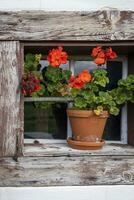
pixel 123 192
pixel 68 5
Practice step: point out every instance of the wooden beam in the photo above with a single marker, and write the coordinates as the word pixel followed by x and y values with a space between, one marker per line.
pixel 101 25
pixel 67 171
pixel 11 125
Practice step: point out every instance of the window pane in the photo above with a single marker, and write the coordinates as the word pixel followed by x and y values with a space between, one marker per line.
pixel 112 130
pixel 49 123
pixel 114 69
pixel 81 65
pixel 45 63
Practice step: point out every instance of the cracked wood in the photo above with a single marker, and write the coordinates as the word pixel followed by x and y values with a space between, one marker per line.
pixel 10 103
pixel 66 171
pixel 102 25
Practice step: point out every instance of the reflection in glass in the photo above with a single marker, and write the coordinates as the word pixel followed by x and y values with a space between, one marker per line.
pixel 49 123
pixel 45 63
pixel 81 65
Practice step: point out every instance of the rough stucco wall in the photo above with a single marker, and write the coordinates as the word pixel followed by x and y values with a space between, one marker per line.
pixel 68 5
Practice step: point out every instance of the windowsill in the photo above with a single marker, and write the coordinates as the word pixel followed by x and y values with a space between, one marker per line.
pixel 62 149
pixel 56 164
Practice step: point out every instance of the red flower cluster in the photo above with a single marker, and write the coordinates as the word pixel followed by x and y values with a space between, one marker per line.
pixel 56 57
pixel 30 84
pixel 80 80
pixel 101 56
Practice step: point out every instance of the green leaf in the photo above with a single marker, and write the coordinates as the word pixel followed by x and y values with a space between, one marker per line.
pixel 30 63
pixel 53 74
pixel 91 86
pixel 75 92
pixel 66 74
pixel 80 103
pixel 88 95
pixel 100 77
pixel 127 83
pixel 114 111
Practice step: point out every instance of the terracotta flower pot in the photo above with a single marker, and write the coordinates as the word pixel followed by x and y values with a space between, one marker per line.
pixel 87 127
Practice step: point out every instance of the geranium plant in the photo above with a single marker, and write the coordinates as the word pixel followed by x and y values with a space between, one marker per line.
pixel 55 78
pixel 87 90
pixel 101 55
pixel 32 79
pixel 51 81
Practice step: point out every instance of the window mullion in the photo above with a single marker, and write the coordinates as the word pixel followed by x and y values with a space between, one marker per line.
pixel 124 124
pixel 71 66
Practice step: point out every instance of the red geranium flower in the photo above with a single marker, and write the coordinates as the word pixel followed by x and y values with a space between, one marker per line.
pixel 101 56
pixel 37 88
pixel 57 56
pixel 75 82
pixel 96 51
pixel 110 54
pixel 100 61
pixel 30 84
pixel 80 80
pixel 85 76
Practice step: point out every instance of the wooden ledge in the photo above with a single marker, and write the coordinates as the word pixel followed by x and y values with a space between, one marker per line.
pixel 67 171
pixel 58 165
pixel 62 149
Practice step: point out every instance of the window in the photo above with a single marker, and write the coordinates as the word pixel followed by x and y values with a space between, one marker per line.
pixel 52 123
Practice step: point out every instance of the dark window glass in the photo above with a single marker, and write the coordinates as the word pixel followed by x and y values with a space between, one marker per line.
pixel 112 130
pixel 50 123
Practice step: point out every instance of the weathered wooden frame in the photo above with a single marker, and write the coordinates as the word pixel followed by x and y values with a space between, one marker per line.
pixel 102 25
pixel 39 166
pixel 11 122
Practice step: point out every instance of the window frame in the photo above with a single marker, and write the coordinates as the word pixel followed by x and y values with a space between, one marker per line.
pixel 122 58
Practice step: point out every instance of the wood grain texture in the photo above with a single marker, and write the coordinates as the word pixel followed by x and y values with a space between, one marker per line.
pixel 62 149
pixel 66 171
pixel 102 25
pixel 10 124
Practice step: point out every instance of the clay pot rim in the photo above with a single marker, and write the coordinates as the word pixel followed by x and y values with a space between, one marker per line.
pixel 71 112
